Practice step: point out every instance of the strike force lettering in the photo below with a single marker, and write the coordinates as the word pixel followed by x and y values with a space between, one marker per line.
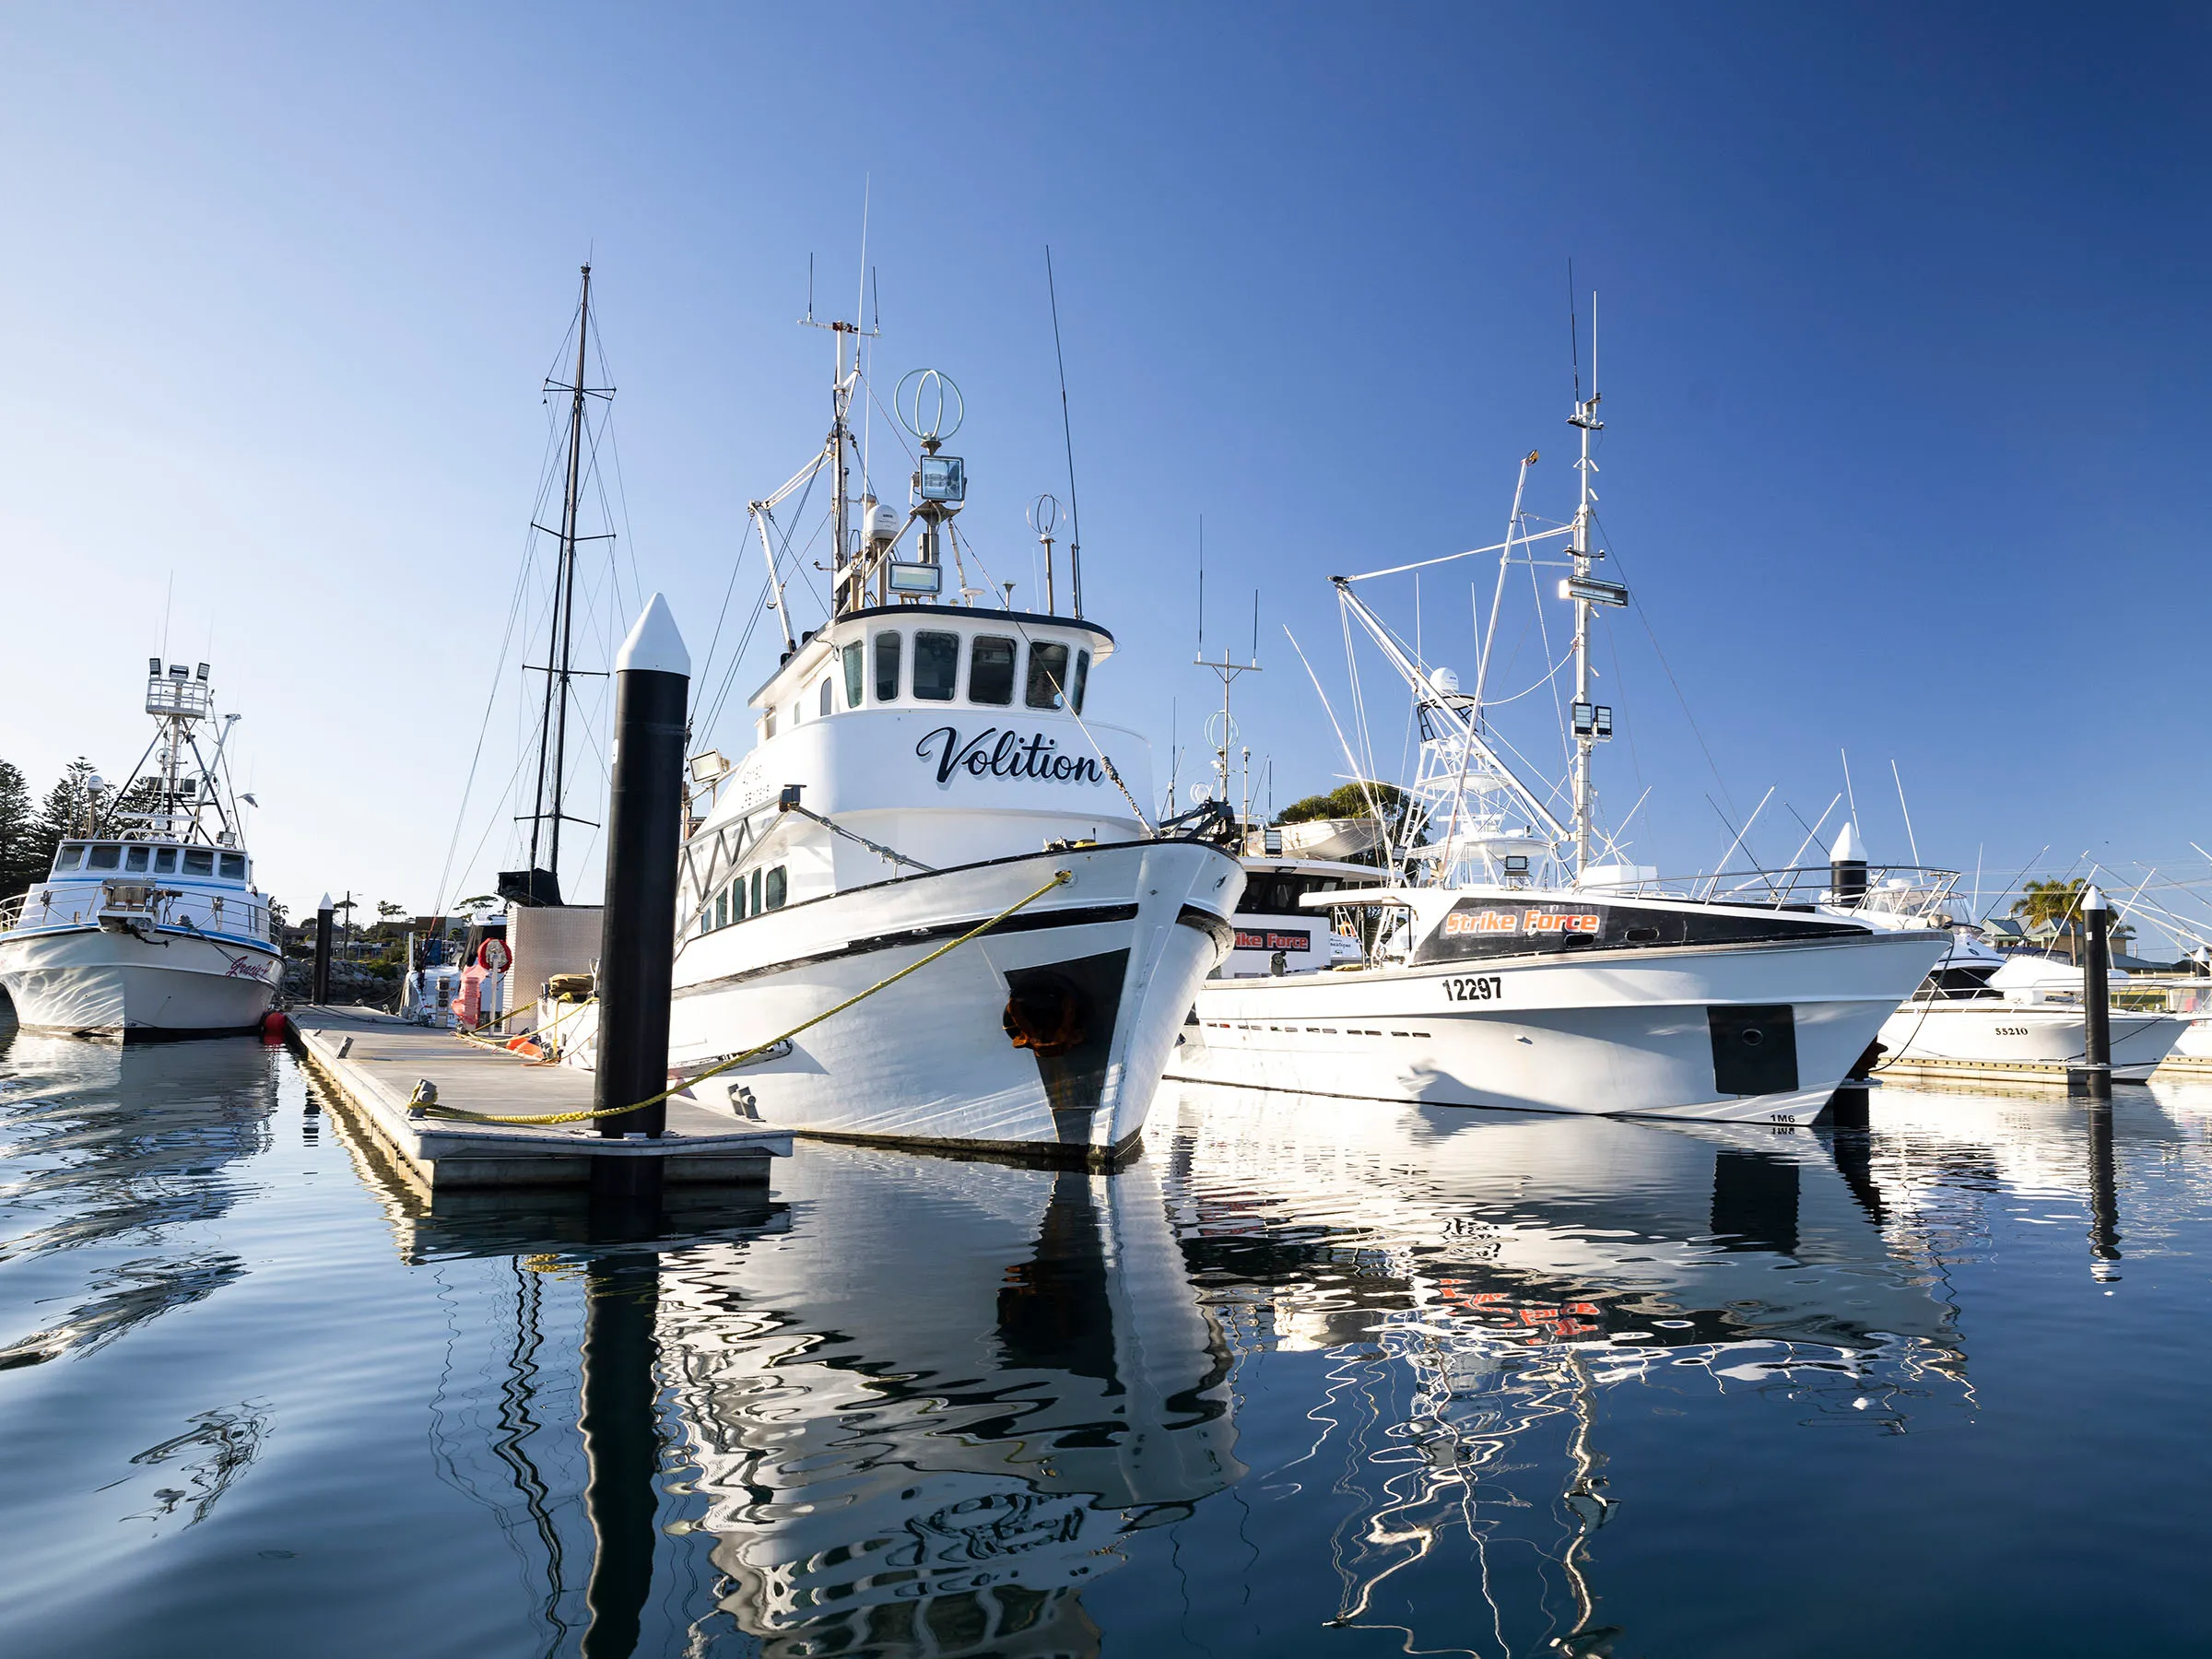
pixel 996 754
pixel 1515 921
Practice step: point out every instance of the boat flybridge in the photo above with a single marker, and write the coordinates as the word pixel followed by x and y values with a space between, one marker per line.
pixel 149 924
pixel 922 764
pixel 1517 960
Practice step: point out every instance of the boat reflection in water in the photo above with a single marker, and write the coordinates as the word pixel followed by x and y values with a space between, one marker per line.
pixel 925 1406
pixel 116 1145
pixel 1478 1290
pixel 927 1416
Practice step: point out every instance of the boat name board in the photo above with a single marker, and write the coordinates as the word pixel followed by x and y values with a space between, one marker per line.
pixel 1474 928
pixel 1269 939
pixel 1506 922
pixel 1004 753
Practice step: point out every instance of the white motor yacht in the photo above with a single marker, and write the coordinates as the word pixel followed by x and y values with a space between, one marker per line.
pixel 1513 967
pixel 149 924
pixel 922 763
pixel 1982 1008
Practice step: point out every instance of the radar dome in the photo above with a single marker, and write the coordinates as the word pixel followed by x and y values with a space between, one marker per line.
pixel 1444 680
pixel 882 524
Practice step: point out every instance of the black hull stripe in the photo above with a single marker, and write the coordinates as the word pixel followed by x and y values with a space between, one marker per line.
pixel 1086 916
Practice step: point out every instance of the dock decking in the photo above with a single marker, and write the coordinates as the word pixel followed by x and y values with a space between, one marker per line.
pixel 374 1060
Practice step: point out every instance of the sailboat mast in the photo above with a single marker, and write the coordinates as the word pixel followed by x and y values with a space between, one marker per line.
pixel 569 504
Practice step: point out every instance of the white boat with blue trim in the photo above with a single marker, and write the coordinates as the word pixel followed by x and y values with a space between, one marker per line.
pixel 149 924
pixel 923 764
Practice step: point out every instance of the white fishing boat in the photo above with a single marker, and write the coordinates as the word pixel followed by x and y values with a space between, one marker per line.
pixel 920 769
pixel 149 923
pixel 1515 967
pixel 1986 1014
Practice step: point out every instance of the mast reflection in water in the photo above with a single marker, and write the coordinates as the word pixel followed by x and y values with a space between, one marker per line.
pixel 1303 1379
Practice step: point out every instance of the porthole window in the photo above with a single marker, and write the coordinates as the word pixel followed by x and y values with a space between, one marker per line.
pixel 856 667
pixel 776 885
pixel 936 666
pixel 886 667
pixel 1048 675
pixel 991 670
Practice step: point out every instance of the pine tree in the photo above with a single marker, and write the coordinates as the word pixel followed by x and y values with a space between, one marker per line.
pixel 18 834
pixel 68 812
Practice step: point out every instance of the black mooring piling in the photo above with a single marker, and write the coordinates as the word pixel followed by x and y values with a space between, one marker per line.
pixel 644 840
pixel 2093 1076
pixel 321 990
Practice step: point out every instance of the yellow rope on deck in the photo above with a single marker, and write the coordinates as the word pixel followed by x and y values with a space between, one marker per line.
pixel 1060 878
pixel 507 1046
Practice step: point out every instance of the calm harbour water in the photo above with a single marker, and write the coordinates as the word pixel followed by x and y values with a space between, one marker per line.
pixel 1311 1377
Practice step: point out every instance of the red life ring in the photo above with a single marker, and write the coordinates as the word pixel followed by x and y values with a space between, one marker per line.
pixel 493 956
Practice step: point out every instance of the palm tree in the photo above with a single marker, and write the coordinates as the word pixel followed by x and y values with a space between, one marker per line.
pixel 2058 904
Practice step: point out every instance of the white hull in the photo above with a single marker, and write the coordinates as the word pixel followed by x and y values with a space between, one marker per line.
pixel 1633 1034
pixel 929 1059
pixel 94 983
pixel 1982 1032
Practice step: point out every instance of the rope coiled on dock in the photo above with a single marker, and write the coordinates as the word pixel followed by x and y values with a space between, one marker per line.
pixel 457 1114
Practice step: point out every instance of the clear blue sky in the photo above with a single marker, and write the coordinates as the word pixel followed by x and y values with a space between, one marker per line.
pixel 1902 339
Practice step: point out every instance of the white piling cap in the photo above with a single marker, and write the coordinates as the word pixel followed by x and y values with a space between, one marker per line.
pixel 2094 900
pixel 654 645
pixel 1847 849
pixel 326 904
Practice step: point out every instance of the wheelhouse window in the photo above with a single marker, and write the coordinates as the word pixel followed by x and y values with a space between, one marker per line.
pixel 1082 681
pixel 936 666
pixel 886 667
pixel 991 670
pixel 199 861
pixel 1048 675
pixel 855 672
pixel 776 886
pixel 136 858
pixel 69 857
pixel 103 858
pixel 756 909
pixel 825 698
pixel 234 866
pixel 165 862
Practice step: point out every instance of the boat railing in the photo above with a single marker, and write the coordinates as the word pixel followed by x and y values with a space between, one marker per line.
pixel 239 916
pixel 11 911
pixel 1900 894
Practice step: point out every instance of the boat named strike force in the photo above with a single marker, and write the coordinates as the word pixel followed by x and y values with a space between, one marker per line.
pixel 1508 964
pixel 149 924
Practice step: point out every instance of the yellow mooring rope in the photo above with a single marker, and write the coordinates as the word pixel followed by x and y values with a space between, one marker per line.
pixel 508 1046
pixel 428 1109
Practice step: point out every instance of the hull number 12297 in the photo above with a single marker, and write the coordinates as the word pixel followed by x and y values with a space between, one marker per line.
pixel 1476 988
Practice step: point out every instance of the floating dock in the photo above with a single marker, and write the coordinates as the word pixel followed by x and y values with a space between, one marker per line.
pixel 374 1060
pixel 1978 1074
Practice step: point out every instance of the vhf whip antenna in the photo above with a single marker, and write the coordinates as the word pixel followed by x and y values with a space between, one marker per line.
pixel 1075 517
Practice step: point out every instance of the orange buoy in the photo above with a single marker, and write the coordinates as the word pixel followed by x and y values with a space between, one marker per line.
pixel 273 1025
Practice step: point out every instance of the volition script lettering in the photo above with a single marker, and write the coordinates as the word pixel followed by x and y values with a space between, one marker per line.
pixel 995 754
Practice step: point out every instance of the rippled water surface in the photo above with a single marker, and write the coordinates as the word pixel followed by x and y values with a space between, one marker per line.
pixel 1310 1377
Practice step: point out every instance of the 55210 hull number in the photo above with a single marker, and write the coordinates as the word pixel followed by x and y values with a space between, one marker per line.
pixel 1480 987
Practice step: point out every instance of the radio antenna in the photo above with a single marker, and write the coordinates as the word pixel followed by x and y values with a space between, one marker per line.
pixel 1574 337
pixel 1075 516
pixel 1201 585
